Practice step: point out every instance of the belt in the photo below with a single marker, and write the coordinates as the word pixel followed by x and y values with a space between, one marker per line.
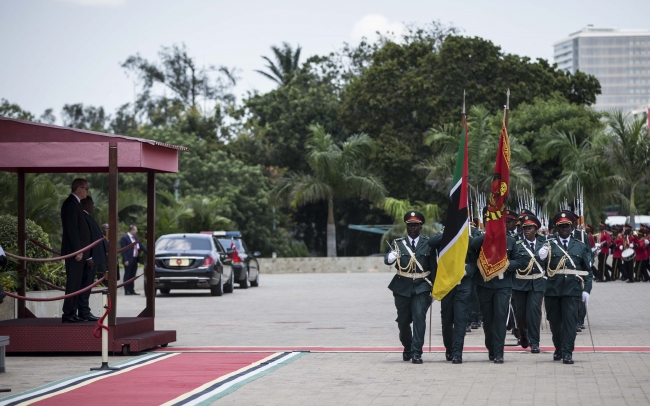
pixel 572 272
pixel 532 276
pixel 414 275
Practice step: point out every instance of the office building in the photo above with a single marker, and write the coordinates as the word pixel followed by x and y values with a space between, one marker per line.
pixel 620 59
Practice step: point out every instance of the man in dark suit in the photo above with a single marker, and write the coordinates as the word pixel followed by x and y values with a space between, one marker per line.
pixel 76 235
pixel 98 253
pixel 130 257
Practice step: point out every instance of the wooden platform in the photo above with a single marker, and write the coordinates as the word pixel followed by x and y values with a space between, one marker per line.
pixel 51 335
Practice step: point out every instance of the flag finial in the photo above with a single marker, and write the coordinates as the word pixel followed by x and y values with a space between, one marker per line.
pixel 508 99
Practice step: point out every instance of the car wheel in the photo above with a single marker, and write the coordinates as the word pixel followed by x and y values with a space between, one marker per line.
pixel 165 290
pixel 217 290
pixel 244 284
pixel 256 282
pixel 229 287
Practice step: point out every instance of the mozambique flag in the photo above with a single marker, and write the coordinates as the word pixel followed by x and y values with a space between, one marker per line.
pixel 493 258
pixel 455 237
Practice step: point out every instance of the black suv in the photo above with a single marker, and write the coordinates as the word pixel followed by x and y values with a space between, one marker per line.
pixel 191 261
pixel 244 265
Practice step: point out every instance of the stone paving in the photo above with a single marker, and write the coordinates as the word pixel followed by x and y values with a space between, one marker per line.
pixel 356 310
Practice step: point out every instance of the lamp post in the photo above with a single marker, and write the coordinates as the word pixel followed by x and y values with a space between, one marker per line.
pixel 176 183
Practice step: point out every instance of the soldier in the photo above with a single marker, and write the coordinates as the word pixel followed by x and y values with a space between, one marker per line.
pixel 494 296
pixel 412 285
pixel 603 240
pixel 512 221
pixel 617 251
pixel 529 284
pixel 640 243
pixel 627 263
pixel 569 281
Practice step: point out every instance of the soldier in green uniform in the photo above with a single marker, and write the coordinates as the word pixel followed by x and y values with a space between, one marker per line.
pixel 494 297
pixel 455 307
pixel 583 237
pixel 412 285
pixel 569 280
pixel 529 283
pixel 475 307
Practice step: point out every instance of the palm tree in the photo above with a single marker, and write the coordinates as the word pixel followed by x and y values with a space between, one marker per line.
pixel 396 209
pixel 204 215
pixel 629 151
pixel 338 170
pixel 482 149
pixel 287 64
pixel 586 165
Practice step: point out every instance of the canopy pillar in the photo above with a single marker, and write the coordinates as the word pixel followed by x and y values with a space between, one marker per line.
pixel 112 230
pixel 149 269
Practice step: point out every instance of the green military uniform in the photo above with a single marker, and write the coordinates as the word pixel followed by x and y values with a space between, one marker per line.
pixel 582 310
pixel 411 289
pixel 528 288
pixel 494 297
pixel 474 316
pixel 454 310
pixel 569 274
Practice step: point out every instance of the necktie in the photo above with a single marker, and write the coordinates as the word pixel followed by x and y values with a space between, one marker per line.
pixel 413 245
pixel 566 244
pixel 532 246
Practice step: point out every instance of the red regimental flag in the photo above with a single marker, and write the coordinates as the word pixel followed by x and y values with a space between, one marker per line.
pixel 493 258
pixel 234 255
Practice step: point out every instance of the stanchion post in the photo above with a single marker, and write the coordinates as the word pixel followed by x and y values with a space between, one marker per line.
pixel 104 366
pixel 22 241
pixel 149 270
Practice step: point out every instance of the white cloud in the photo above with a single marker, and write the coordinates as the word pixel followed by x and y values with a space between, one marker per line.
pixel 100 3
pixel 369 25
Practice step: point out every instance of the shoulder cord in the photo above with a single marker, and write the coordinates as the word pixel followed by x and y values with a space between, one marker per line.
pixel 561 264
pixel 410 267
pixel 531 263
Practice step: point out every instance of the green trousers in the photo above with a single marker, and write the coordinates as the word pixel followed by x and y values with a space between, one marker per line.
pixel 562 314
pixel 582 312
pixel 494 308
pixel 412 309
pixel 528 313
pixel 454 309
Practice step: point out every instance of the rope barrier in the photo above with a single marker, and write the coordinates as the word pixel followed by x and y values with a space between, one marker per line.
pixel 74 254
pixel 51 299
pixel 60 258
pixel 46 283
pixel 97 332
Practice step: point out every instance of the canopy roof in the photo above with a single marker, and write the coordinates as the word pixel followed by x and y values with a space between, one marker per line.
pixel 37 147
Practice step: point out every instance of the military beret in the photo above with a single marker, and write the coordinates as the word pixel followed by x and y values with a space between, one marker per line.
pixel 530 219
pixel 413 217
pixel 627 226
pixel 588 227
pixel 564 217
pixel 526 211
pixel 602 223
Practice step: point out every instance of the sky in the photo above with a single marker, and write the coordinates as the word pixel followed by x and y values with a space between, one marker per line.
pixel 54 52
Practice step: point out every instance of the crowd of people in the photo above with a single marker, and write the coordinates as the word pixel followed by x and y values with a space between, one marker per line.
pixel 548 268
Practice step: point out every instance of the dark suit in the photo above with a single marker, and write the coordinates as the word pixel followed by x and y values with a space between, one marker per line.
pixel 76 235
pixel 99 259
pixel 127 256
pixel 412 296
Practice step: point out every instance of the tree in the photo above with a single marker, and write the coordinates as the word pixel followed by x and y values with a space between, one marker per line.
pixel 396 208
pixel 86 118
pixel 483 143
pixel 629 151
pixel 582 163
pixel 338 170
pixel 285 66
pixel 410 87
pixel 13 110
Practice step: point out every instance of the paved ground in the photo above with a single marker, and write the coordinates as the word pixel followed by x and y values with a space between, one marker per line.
pixel 357 310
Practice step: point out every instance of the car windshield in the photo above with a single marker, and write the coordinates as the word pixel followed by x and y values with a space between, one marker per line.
pixel 187 243
pixel 227 242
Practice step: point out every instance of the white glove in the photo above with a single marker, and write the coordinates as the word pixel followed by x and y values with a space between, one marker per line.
pixel 646 242
pixel 543 252
pixel 620 247
pixel 594 250
pixel 632 245
pixel 392 257
pixel 585 298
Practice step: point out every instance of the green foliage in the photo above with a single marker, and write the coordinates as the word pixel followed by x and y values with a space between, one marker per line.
pixel 287 64
pixel 9 238
pixel 86 118
pixel 396 208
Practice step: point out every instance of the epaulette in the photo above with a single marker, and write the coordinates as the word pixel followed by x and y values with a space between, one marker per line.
pixel 424 237
pixel 520 242
pixel 400 239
